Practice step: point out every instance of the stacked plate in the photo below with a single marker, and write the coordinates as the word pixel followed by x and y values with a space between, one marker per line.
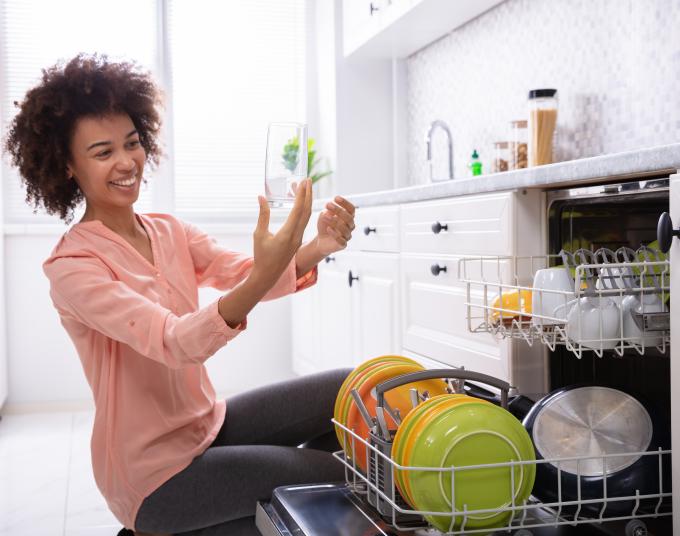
pixel 459 430
pixel 364 379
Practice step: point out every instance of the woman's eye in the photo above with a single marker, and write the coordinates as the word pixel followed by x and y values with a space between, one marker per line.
pixel 103 153
pixel 134 143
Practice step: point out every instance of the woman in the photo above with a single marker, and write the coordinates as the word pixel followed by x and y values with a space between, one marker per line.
pixel 164 455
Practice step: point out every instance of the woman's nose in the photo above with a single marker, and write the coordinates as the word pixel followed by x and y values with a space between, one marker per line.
pixel 125 163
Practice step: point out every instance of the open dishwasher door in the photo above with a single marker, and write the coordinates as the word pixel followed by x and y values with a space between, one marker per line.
pixel 319 510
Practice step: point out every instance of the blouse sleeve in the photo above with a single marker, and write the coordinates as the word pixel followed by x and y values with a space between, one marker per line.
pixel 85 289
pixel 223 269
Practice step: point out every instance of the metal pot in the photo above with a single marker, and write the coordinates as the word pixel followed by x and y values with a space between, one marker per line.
pixel 591 421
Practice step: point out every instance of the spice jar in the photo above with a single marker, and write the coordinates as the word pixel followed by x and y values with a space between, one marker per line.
pixel 542 121
pixel 519 148
pixel 501 157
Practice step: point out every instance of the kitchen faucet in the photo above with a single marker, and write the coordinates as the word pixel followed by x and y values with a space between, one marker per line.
pixel 439 123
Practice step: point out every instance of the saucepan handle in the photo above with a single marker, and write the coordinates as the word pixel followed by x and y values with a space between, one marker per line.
pixel 433 374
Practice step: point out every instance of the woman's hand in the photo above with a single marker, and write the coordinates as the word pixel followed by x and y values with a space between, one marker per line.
pixel 335 226
pixel 273 252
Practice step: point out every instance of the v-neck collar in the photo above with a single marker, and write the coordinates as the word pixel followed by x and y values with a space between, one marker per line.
pixel 116 237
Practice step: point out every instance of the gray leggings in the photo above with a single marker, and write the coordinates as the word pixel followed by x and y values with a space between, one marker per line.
pixel 254 452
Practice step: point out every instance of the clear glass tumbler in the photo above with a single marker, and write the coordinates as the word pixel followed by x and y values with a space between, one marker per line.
pixel 286 162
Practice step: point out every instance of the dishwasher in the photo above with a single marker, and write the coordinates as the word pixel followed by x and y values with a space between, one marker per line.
pixel 603 234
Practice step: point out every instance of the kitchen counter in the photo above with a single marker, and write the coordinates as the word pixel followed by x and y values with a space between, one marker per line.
pixel 605 168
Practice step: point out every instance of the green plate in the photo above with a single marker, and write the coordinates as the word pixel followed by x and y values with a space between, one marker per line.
pixel 403 436
pixel 472 434
pixel 422 424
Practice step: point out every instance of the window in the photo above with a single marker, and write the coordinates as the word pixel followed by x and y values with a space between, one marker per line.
pixel 36 34
pixel 235 66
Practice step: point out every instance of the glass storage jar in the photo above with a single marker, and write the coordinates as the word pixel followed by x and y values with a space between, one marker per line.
pixel 501 157
pixel 518 144
pixel 542 122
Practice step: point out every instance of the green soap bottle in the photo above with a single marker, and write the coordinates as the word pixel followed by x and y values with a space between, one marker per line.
pixel 475 165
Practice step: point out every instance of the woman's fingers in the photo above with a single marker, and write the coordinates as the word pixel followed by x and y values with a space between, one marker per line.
pixel 342 228
pixel 295 224
pixel 337 236
pixel 343 212
pixel 263 218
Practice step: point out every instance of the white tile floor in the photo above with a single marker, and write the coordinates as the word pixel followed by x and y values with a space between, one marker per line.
pixel 46 482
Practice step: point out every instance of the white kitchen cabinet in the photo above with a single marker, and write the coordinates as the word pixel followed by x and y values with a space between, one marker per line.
pixel 377 229
pixel 378 305
pixel 355 322
pixel 674 256
pixel 337 310
pixel 398 28
pixel 467 225
pixel 305 327
pixel 435 235
pixel 434 317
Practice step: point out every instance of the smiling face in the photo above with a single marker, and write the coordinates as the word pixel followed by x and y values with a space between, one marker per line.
pixel 104 151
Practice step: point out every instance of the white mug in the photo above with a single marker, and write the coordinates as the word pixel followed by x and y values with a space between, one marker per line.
pixel 592 322
pixel 650 303
pixel 552 287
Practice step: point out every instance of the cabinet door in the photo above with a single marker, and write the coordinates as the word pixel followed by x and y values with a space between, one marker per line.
pixel 361 19
pixel 336 310
pixel 467 225
pixel 378 304
pixel 434 317
pixel 675 348
pixel 306 336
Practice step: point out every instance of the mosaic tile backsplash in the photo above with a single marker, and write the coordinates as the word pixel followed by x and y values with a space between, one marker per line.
pixel 615 64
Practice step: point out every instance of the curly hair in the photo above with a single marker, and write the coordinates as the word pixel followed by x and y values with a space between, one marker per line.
pixel 39 136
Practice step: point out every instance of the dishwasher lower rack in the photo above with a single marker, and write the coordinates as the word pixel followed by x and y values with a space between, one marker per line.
pixel 532 517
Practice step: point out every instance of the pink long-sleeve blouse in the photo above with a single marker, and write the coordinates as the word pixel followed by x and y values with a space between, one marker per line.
pixel 142 341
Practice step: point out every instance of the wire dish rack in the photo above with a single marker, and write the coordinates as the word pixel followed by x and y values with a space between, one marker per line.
pixel 378 486
pixel 585 301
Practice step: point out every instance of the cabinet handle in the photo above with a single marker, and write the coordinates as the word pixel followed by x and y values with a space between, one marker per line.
pixel 665 232
pixel 374 8
pixel 435 269
pixel 351 278
pixel 438 227
pixel 369 230
pixel 329 259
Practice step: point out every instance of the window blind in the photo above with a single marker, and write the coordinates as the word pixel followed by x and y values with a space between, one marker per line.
pixel 236 66
pixel 36 34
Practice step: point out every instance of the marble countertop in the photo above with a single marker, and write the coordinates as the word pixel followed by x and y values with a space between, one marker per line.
pixel 605 168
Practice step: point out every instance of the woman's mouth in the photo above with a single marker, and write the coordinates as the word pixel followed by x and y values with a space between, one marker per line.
pixel 127 184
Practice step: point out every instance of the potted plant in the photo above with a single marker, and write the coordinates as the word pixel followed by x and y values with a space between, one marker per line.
pixel 290 158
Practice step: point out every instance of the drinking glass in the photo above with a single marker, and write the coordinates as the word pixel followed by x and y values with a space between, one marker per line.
pixel 286 162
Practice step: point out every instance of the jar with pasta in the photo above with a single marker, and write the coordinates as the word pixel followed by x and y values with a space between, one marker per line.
pixel 501 157
pixel 542 122
pixel 519 148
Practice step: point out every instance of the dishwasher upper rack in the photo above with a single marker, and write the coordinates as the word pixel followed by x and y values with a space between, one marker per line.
pixel 490 279
pixel 380 491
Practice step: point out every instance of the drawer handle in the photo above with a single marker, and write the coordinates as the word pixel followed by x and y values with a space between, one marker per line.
pixel 329 259
pixel 665 232
pixel 351 278
pixel 369 230
pixel 436 269
pixel 438 227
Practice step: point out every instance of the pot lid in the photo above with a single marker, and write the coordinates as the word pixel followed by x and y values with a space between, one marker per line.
pixel 592 421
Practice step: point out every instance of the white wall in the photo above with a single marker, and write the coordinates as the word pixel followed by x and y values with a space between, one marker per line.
pixel 45 372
